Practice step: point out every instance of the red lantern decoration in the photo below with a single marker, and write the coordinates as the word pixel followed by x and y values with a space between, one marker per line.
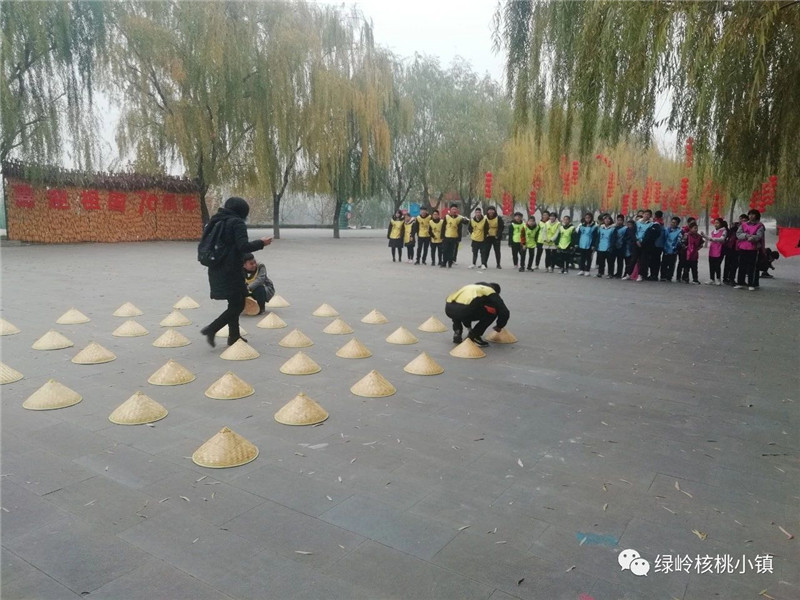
pixel 488 185
pixel 689 152
pixel 575 168
pixel 625 204
pixel 532 202
pixel 635 200
pixel 610 186
pixel 684 191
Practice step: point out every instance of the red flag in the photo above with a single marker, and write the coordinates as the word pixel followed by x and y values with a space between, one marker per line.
pixel 789 241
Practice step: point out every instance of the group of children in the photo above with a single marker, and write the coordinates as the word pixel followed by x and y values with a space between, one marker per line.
pixel 640 248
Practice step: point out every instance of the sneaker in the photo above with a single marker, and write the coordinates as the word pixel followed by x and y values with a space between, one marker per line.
pixel 209 336
pixel 479 341
pixel 472 266
pixel 499 267
pixel 482 268
pixel 639 278
pixel 609 277
pixel 416 262
pixel 599 275
pixel 710 282
pixel 532 270
pixel 563 271
pixel 738 287
pixel 696 283
pixel 579 273
pixel 457 339
pixel 536 268
pixel 522 269
pixel 751 289
pixel 625 277
pixel 719 283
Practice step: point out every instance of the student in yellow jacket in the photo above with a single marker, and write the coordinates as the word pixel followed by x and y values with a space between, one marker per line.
pixel 564 244
pixel 408 236
pixel 551 230
pixel 540 239
pixel 395 235
pixel 531 237
pixel 479 302
pixel 494 235
pixel 516 241
pixel 452 234
pixel 423 233
pixel 477 233
pixel 436 226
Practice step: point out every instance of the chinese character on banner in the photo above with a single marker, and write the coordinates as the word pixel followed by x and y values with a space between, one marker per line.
pixel 116 201
pixel 148 201
pixel 189 203
pixel 90 199
pixel 23 195
pixel 57 199
pixel 169 202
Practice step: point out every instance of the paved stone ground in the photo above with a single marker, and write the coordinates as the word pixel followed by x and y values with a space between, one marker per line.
pixel 627 416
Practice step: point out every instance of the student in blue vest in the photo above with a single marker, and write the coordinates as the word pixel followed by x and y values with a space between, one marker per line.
pixel 629 247
pixel 618 248
pixel 587 234
pixel 672 240
pixel 515 241
pixel 605 236
pixel 479 302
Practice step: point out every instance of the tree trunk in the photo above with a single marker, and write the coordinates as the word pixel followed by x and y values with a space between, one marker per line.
pixel 336 212
pixel 276 216
pixel 203 206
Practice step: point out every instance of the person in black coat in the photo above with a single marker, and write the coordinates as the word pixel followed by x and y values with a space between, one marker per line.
pixel 226 279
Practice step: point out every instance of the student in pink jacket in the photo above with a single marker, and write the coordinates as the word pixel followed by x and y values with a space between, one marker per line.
pixel 694 242
pixel 716 250
pixel 750 242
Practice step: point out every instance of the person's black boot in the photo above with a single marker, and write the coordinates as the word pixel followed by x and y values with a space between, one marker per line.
pixel 479 341
pixel 209 337
pixel 457 338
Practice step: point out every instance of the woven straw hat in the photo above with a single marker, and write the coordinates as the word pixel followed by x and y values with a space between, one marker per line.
pixel 9 375
pixel 467 349
pixel 278 301
pixel 504 336
pixel 127 310
pixel 171 373
pixel 52 340
pixel 251 308
pixel 229 387
pixel 373 385
pixel 226 449
pixel 175 319
pixel 433 325
pixel 374 317
pixel 423 365
pixel 93 354
pixel 7 328
pixel 300 364
pixel 50 396
pixel 271 321
pixel 224 331
pixel 301 410
pixel 240 350
pixel 138 410
pixel 185 303
pixel 129 329
pixel 171 338
pixel 338 327
pixel 353 349
pixel 325 310
pixel 296 339
pixel 72 317
pixel 402 335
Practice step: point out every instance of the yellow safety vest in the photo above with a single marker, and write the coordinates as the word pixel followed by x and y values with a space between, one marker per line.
pixel 468 293
pixel 493 223
pixel 565 239
pixel 516 231
pixel 551 231
pixel 436 231
pixel 452 225
pixel 424 226
pixel 407 229
pixel 531 236
pixel 397 229
pixel 478 230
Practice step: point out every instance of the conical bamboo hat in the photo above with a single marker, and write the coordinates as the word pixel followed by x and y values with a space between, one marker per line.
pixel 296 339
pixel 240 350
pixel 301 410
pixel 7 328
pixel 338 327
pixel 185 303
pixel 127 310
pixel 433 325
pixel 171 338
pixel 224 331
pixel 373 385
pixel 129 329
pixel 9 375
pixel 229 387
pixel 278 301
pixel 325 310
pixel 251 308
pixel 93 354
pixel 374 317
pixel 504 336
pixel 171 373
pixel 423 365
pixel 52 340
pixel 72 317
pixel 271 321
pixel 467 349
pixel 175 319
pixel 138 410
pixel 402 335
pixel 353 349
pixel 50 396
pixel 300 364
pixel 226 449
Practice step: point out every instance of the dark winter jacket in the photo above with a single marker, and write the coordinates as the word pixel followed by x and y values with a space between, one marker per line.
pixel 226 279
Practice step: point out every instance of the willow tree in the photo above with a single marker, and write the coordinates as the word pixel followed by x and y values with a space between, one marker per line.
pixel 602 69
pixel 49 53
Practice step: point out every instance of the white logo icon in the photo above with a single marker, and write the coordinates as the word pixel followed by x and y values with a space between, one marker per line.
pixel 632 560
pixel 639 567
pixel 626 557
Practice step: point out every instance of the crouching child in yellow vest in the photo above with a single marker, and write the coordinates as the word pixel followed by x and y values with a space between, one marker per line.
pixel 479 302
pixel 259 287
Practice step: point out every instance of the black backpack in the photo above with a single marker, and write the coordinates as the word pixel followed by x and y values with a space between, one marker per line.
pixel 212 250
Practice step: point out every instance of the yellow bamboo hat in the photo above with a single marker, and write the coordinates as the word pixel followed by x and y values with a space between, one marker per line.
pixel 172 373
pixel 423 365
pixel 504 336
pixel 185 303
pixel 296 339
pixel 401 335
pixel 7 328
pixel 223 333
pixel 129 328
pixel 225 449
pixel 374 317
pixel 301 410
pixel 467 349
pixel 171 338
pixel 338 327
pixel 240 350
pixel 50 396
pixel 278 301
pixel 325 310
pixel 433 325
pixel 251 308
pixel 72 317
pixel 353 349
pixel 9 375
pixel 271 321
pixel 229 387
pixel 138 410
pixel 175 319
pixel 300 364
pixel 373 385
pixel 93 354
pixel 127 310
pixel 52 340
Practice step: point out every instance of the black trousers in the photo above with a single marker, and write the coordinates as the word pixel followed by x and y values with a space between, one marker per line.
pixel 539 251
pixel 630 263
pixel 463 315
pixel 531 253
pixel 655 263
pixel 455 250
pixel 563 258
pixel 410 250
pixel 260 296
pixel 477 250
pixel 683 273
pixel 691 265
pixel 437 248
pixel 422 248
pixel 586 260
pixel 715 267
pixel 516 250
pixel 617 262
pixel 488 244
pixel 748 273
pixel 229 317
pixel 550 258
pixel 668 266
pixel 731 265
pixel 604 258
pixel 450 245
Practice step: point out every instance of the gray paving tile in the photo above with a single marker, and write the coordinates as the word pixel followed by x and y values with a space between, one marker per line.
pixel 35 584
pixel 152 440
pixel 42 472
pixel 128 466
pixel 68 441
pixel 24 510
pixel 13 567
